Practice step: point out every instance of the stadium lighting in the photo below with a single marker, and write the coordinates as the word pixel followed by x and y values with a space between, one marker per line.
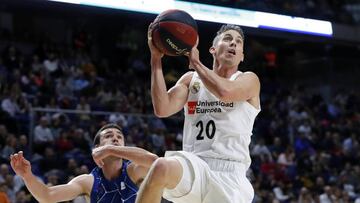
pixel 219 14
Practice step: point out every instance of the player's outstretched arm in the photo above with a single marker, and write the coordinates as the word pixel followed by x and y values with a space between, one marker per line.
pixel 141 160
pixel 43 193
pixel 134 154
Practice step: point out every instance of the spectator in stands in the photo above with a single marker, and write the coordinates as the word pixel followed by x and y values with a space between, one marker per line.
pixel 261 150
pixel 327 196
pixel 81 140
pixel 4 171
pixel 3 74
pixel 302 144
pixel 50 160
pixel 286 160
pixel 51 65
pixel 305 196
pixel 63 89
pixel 9 180
pixel 64 144
pixel 9 105
pixel 43 135
pixel 3 135
pixel 3 196
pixel 84 118
pixel 10 146
pixel 276 148
pixel 36 65
pixel 281 193
pixel 350 144
pixel 104 96
pixel 22 197
pixel 72 165
pixel 11 57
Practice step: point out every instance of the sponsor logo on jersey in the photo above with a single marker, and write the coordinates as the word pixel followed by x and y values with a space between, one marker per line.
pixel 208 106
pixel 191 107
pixel 195 88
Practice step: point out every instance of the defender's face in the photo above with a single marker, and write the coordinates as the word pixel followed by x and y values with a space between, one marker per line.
pixel 111 136
pixel 229 48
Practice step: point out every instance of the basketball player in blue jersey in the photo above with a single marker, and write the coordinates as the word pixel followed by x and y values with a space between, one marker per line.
pixel 220 106
pixel 114 180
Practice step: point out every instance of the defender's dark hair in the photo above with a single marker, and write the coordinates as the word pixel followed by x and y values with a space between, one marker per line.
pixel 227 27
pixel 97 136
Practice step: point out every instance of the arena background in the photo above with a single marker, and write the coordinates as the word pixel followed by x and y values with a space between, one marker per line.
pixel 67 69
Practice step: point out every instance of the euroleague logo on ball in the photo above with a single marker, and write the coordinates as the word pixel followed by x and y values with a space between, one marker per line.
pixel 176 48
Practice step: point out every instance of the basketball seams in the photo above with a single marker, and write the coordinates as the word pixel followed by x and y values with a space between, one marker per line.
pixel 178 16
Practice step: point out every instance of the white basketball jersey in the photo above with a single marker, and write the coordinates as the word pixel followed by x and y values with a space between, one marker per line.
pixel 217 129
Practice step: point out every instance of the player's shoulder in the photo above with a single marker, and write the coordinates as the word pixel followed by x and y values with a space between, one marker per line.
pixel 188 74
pixel 186 78
pixel 84 181
pixel 84 178
pixel 250 75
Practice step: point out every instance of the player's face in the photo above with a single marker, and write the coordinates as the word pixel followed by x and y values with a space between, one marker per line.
pixel 111 136
pixel 229 48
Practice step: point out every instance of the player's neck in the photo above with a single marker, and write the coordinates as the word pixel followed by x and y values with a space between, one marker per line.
pixel 112 168
pixel 225 71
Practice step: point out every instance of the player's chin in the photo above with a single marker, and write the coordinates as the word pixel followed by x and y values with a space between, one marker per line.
pixel 118 144
pixel 228 57
pixel 229 61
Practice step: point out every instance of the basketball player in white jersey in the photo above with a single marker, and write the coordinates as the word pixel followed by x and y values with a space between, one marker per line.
pixel 220 106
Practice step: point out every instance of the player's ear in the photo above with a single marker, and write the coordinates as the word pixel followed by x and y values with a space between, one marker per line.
pixel 212 50
pixel 242 57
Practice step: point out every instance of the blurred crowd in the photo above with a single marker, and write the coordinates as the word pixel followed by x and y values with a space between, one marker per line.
pixel 58 143
pixel 305 147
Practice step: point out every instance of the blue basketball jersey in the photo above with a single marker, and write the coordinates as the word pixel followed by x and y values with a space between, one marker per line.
pixel 120 190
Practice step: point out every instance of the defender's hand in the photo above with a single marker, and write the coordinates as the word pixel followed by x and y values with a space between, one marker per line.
pixel 20 165
pixel 100 153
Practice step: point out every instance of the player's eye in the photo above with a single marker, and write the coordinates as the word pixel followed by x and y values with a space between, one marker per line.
pixel 228 38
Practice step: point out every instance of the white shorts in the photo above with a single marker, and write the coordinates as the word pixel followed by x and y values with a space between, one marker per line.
pixel 211 181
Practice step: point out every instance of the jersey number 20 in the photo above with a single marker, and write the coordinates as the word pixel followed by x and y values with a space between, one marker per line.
pixel 210 129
